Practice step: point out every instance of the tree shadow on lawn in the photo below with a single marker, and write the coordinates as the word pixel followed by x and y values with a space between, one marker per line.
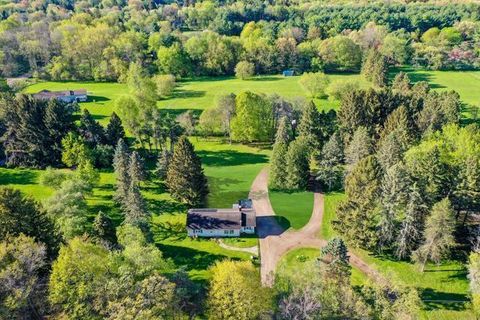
pixel 187 94
pixel 434 299
pixel 230 158
pixel 265 78
pixel 176 112
pixel 416 76
pixel 191 258
pixel 168 230
pixel 17 176
pixel 158 206
pixel 97 99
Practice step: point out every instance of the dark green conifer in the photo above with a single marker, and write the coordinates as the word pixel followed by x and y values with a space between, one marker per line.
pixel 121 164
pixel 114 130
pixel 185 178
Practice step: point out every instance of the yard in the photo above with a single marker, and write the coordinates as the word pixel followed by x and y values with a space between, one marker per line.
pixel 293 209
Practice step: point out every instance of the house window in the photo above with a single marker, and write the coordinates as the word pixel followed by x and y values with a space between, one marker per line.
pixel 228 231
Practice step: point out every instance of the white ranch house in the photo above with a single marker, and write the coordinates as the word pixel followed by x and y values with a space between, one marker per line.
pixel 67 96
pixel 215 223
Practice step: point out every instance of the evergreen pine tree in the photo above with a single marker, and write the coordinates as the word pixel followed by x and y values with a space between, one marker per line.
pixel 104 229
pixel 278 165
pixel 136 169
pixel 394 192
pixel 375 68
pixel 298 171
pixel 357 216
pixel 467 190
pixel 136 209
pixel 278 162
pixel 91 130
pixel 438 234
pixel 121 164
pixel 359 147
pixel 401 83
pixel 58 122
pixel 114 130
pixel 390 151
pixel 337 264
pixel 283 131
pixel 309 128
pixel 163 162
pixel 185 178
pixel 411 228
pixel 330 169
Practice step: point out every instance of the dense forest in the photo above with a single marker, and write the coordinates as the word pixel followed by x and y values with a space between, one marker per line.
pixel 96 40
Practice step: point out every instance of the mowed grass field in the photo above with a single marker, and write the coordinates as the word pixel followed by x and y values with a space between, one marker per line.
pixel 292 208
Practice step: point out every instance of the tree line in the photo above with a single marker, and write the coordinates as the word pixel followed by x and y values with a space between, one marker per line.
pixel 68 41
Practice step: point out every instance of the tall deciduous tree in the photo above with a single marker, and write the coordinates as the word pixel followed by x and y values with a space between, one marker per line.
pixel 185 178
pixel 68 208
pixel 22 263
pixel 474 277
pixel 438 234
pixel 234 292
pixel 254 119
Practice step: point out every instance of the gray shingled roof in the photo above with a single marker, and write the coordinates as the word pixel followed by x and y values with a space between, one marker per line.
pixel 220 218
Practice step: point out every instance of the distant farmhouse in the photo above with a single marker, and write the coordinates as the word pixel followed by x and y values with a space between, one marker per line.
pixel 230 222
pixel 67 96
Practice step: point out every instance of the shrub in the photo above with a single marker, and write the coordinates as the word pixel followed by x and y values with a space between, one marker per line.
pixel 165 84
pixel 337 89
pixel 314 83
pixel 244 70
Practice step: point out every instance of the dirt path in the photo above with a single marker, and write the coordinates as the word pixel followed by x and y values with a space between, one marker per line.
pixel 275 242
pixel 251 250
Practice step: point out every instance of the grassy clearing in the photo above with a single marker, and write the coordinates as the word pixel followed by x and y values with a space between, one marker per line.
pixel 295 260
pixel 331 201
pixel 201 93
pixel 466 83
pixel 294 209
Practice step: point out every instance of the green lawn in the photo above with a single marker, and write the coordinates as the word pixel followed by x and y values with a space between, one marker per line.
pixel 293 209
pixel 294 260
pixel 101 95
pixel 331 201
pixel 466 83
pixel 242 242
pixel 201 93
